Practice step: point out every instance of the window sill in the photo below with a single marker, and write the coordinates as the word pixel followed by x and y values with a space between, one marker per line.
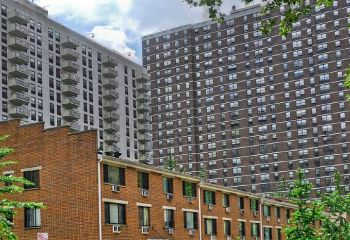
pixel 31 189
pixel 29 228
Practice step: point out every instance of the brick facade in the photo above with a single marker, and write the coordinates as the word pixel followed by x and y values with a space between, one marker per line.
pixel 69 190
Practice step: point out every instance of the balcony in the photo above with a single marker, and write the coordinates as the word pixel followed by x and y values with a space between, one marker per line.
pixel 19 71
pixel 69 42
pixel 19 98
pixel 109 72
pixel 109 61
pixel 142 78
pixel 143 149
pixel 111 138
pixel 70 103
pixel 110 116
pixel 75 126
pixel 70 79
pixel 70 91
pixel 143 117
pixel 70 54
pixel 18 17
pixel 18 57
pixel 111 127
pixel 18 85
pixel 19 112
pixel 18 44
pixel 18 30
pixel 110 105
pixel 109 83
pixel 110 94
pixel 143 87
pixel 143 128
pixel 143 97
pixel 111 148
pixel 142 108
pixel 70 115
pixel 70 66
pixel 145 138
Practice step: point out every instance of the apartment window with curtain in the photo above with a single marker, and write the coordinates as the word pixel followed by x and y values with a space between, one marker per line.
pixel 267 233
pixel 190 220
pixel 32 176
pixel 278 212
pixel 241 229
pixel 189 189
pixel 227 227
pixel 210 226
pixel 115 213
pixel 144 216
pixel 226 200
pixel 267 211
pixel 168 185
pixel 143 180
pixel 255 229
pixel 254 205
pixel 169 218
pixel 32 218
pixel 241 203
pixel 114 175
pixel 279 234
pixel 209 197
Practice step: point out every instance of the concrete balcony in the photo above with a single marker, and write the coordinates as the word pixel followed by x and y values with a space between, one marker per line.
pixel 70 79
pixel 75 126
pixel 70 91
pixel 143 117
pixel 18 44
pixel 143 87
pixel 19 112
pixel 109 61
pixel 110 148
pixel 110 116
pixel 110 94
pixel 143 128
pixel 18 30
pixel 111 127
pixel 70 115
pixel 145 138
pixel 143 149
pixel 142 108
pixel 144 158
pixel 110 105
pixel 18 57
pixel 18 17
pixel 69 42
pixel 19 99
pixel 109 72
pixel 142 78
pixel 70 103
pixel 70 54
pixel 143 97
pixel 18 85
pixel 19 71
pixel 109 83
pixel 70 66
pixel 111 138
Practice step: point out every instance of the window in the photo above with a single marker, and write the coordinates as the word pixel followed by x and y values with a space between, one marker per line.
pixel 115 213
pixel 241 202
pixel 254 205
pixel 226 200
pixel 32 176
pixel 114 175
pixel 210 226
pixel 169 218
pixel 279 234
pixel 143 180
pixel 267 233
pixel 32 218
pixel 255 229
pixel 190 220
pixel 209 197
pixel 168 185
pixel 278 212
pixel 189 189
pixel 144 216
pixel 241 229
pixel 227 228
pixel 267 211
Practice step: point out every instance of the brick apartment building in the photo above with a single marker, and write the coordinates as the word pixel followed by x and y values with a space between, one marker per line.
pixel 136 201
pixel 253 108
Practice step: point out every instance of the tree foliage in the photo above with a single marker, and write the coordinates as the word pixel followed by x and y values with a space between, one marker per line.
pixel 171 163
pixel 11 185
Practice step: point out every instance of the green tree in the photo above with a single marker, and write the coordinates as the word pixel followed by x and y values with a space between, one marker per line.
pixel 11 186
pixel 171 163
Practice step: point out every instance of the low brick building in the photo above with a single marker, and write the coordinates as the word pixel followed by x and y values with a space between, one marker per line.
pixel 125 200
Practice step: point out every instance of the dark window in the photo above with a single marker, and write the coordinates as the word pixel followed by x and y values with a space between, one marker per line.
pixel 142 180
pixel 242 229
pixel 190 220
pixel 189 189
pixel 167 184
pixel 209 197
pixel 32 218
pixel 241 202
pixel 169 218
pixel 33 177
pixel 210 226
pixel 115 213
pixel 144 216
pixel 114 175
pixel 227 228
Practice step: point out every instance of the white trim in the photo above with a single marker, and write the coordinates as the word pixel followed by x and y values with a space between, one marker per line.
pixel 115 201
pixel 31 169
pixel 278 227
pixel 170 208
pixel 241 220
pixel 254 221
pixel 267 226
pixel 189 210
pixel 212 217
pixel 227 219
pixel 143 205
pixel 8 172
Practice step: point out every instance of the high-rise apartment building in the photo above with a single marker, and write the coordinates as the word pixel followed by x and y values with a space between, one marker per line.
pixel 53 74
pixel 252 108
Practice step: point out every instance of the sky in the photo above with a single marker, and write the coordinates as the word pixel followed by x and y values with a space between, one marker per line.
pixel 120 24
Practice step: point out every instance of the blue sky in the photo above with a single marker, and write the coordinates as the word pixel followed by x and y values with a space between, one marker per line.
pixel 120 24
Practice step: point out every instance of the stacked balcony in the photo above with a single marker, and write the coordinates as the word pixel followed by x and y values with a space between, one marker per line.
pixel 111 127
pixel 70 103
pixel 19 99
pixel 111 138
pixel 143 97
pixel 18 30
pixel 19 112
pixel 143 87
pixel 110 94
pixel 18 17
pixel 143 149
pixel 18 44
pixel 75 126
pixel 142 108
pixel 110 116
pixel 144 128
pixel 70 54
pixel 109 72
pixel 19 71
pixel 18 85
pixel 70 91
pixel 18 57
pixel 70 66
pixel 144 138
pixel 143 117
pixel 108 61
pixel 70 79
pixel 69 42
pixel 109 83
pixel 110 105
pixel 70 115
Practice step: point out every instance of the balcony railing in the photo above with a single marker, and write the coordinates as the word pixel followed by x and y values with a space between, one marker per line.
pixel 18 30
pixel 111 138
pixel 18 57
pixel 109 61
pixel 143 128
pixel 143 117
pixel 143 97
pixel 18 17
pixel 19 71
pixel 69 90
pixel 69 42
pixel 70 66
pixel 143 87
pixel 110 116
pixel 19 112
pixel 109 83
pixel 110 105
pixel 111 127
pixel 19 85
pixel 70 79
pixel 70 115
pixel 70 103
pixel 70 54
pixel 110 94
pixel 18 44
pixel 142 107
pixel 145 138
pixel 109 72
pixel 19 98
pixel 142 78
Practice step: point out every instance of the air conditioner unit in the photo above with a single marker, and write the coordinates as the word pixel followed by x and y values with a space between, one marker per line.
pixel 228 209
pixel 212 237
pixel 171 231
pixel 191 232
pixel 278 220
pixel 268 219
pixel 190 200
pixel 169 196
pixel 211 207
pixel 242 211
pixel 115 188
pixel 144 230
pixel 116 229
pixel 144 193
